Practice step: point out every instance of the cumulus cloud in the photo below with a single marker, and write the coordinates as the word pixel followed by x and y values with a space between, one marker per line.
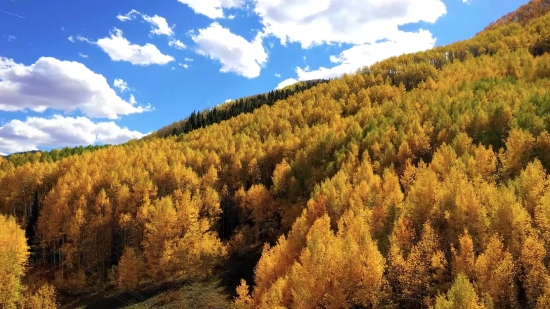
pixel 159 25
pixel 311 22
pixel 277 75
pixel 184 65
pixel 83 55
pixel 128 16
pixel 212 8
pixel 234 52
pixel 60 131
pixel 286 82
pixel 366 54
pixel 188 59
pixel 177 44
pixel 59 85
pixel 120 49
pixel 121 85
pixel 370 26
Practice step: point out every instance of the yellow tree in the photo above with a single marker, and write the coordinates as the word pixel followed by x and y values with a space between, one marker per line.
pixel 14 252
pixel 495 274
pixel 464 259
pixel 44 298
pixel 130 269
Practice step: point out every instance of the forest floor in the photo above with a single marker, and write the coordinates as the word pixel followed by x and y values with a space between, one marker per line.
pixel 216 291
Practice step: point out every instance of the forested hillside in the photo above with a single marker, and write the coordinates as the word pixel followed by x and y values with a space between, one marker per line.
pixel 232 109
pixel 419 182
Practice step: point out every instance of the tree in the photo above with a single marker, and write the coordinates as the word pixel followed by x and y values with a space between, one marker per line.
pixel 44 298
pixel 462 295
pixel 130 269
pixel 14 252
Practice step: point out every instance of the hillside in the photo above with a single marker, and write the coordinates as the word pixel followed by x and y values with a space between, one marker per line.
pixel 232 109
pixel 418 182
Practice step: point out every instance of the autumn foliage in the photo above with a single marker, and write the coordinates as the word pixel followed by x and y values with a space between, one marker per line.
pixel 418 182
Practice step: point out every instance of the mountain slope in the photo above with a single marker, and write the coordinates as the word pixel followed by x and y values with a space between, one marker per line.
pixel 232 109
pixel 420 181
pixel 531 10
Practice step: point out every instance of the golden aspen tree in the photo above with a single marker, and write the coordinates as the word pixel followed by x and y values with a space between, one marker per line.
pixel 495 274
pixel 535 274
pixel 243 299
pixel 422 198
pixel 519 148
pixel 542 219
pixel 532 186
pixel 464 258
pixel 418 275
pixel 280 177
pixel 130 269
pixel 45 297
pixel 483 163
pixel 14 252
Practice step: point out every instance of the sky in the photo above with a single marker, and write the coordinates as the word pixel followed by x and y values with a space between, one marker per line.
pixel 104 72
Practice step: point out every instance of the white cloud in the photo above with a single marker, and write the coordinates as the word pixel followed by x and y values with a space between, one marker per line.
pixel 188 59
pixel 83 39
pixel 159 25
pixel 370 26
pixel 212 8
pixel 83 55
pixel 132 100
pixel 234 52
pixel 311 22
pixel 228 100
pixel 184 65
pixel 129 16
pixel 120 49
pixel 80 38
pixel 11 37
pixel 59 85
pixel 177 44
pixel 277 75
pixel 60 131
pixel 120 84
pixel 286 82
pixel 362 55
pixel 232 16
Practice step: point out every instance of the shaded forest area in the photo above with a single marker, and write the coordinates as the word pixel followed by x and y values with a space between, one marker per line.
pixel 419 182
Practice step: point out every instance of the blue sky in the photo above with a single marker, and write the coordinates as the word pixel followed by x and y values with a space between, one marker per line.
pixel 93 72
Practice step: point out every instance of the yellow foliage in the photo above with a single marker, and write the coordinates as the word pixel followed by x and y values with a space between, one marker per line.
pixel 45 298
pixel 14 252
